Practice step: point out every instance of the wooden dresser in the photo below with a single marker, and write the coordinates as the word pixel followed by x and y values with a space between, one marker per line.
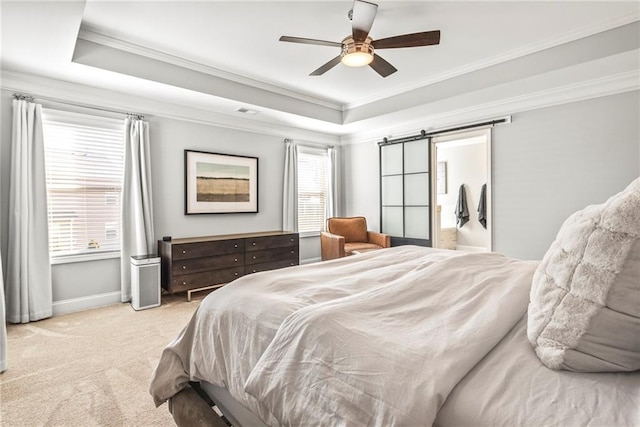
pixel 200 263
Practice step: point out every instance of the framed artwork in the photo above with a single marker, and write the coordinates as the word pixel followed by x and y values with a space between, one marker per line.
pixel 441 177
pixel 220 183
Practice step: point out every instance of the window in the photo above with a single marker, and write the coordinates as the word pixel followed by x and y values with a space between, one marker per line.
pixel 84 165
pixel 314 171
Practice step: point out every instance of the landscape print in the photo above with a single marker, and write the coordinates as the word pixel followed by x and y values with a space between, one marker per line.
pixel 217 182
pixel 220 183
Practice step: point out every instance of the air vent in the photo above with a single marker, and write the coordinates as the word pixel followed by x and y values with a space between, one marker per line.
pixel 246 111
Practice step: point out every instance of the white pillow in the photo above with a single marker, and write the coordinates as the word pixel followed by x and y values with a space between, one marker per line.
pixel 584 310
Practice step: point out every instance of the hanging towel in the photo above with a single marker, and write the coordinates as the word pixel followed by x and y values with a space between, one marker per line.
pixel 482 206
pixel 462 213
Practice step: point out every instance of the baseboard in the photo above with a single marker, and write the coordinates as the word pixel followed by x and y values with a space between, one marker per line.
pixel 84 303
pixel 310 260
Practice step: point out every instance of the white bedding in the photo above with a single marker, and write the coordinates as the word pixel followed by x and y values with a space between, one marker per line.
pixel 511 387
pixel 391 355
pixel 380 338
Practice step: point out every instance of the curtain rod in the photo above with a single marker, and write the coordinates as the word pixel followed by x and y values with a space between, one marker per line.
pixel 29 98
pixel 21 97
pixel 310 144
pixel 424 134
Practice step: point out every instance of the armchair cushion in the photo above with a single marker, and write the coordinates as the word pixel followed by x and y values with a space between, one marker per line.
pixel 352 229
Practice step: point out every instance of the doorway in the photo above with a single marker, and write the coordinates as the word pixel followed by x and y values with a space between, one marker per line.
pixel 462 167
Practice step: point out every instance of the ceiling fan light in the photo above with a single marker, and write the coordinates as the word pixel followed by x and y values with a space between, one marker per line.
pixel 357 59
pixel 356 54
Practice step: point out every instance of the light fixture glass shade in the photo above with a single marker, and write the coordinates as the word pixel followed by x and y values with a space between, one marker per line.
pixel 356 54
pixel 357 59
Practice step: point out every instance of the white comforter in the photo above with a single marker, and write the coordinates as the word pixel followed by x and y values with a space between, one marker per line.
pixel 376 339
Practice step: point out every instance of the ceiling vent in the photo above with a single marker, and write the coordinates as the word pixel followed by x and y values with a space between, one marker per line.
pixel 247 111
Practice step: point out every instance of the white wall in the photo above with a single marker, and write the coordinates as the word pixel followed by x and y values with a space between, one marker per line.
pixel 466 164
pixel 551 162
pixel 547 164
pixel 361 182
pixel 169 138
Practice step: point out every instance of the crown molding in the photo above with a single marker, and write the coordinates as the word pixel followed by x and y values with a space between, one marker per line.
pixel 99 98
pixel 89 34
pixel 92 97
pixel 508 56
pixel 595 88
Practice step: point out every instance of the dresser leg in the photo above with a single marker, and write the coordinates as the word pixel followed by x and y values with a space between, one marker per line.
pixel 204 288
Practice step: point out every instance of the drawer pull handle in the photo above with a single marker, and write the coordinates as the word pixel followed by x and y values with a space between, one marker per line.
pixel 291 251
pixel 184 267
pixel 235 274
pixel 235 246
pixel 292 264
pixel 184 283
pixel 254 243
pixel 184 252
pixel 254 271
pixel 235 260
pixel 254 257
pixel 292 240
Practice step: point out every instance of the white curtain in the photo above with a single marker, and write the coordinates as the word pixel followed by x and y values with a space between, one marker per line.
pixel 28 289
pixel 3 325
pixel 290 190
pixel 333 202
pixel 137 204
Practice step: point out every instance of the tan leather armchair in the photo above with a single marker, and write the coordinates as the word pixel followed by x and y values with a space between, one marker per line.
pixel 346 235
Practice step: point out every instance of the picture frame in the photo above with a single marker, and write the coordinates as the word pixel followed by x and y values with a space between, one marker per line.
pixel 441 177
pixel 220 183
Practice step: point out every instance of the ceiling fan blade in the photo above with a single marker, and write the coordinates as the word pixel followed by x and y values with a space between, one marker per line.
pixel 362 17
pixel 426 38
pixel 309 41
pixel 381 66
pixel 326 67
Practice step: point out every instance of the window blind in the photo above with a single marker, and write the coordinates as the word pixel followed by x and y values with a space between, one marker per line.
pixel 313 186
pixel 84 164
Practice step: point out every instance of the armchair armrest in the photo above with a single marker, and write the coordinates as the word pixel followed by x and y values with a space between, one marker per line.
pixel 379 239
pixel 331 245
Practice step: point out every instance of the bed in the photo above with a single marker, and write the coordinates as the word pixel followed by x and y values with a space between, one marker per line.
pixel 256 342
pixel 414 336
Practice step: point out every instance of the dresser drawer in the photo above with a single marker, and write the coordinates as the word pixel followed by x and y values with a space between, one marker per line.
pixel 270 266
pixel 198 265
pixel 268 242
pixel 207 278
pixel 205 249
pixel 193 263
pixel 269 255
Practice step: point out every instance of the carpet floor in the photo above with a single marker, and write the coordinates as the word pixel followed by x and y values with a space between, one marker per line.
pixel 90 368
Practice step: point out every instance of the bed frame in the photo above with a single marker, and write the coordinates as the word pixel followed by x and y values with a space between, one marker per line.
pixel 237 414
pixel 205 404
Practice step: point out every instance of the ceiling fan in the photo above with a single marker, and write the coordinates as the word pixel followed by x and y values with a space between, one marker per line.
pixel 357 50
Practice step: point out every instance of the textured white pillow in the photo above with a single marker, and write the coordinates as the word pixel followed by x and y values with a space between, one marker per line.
pixel 584 310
